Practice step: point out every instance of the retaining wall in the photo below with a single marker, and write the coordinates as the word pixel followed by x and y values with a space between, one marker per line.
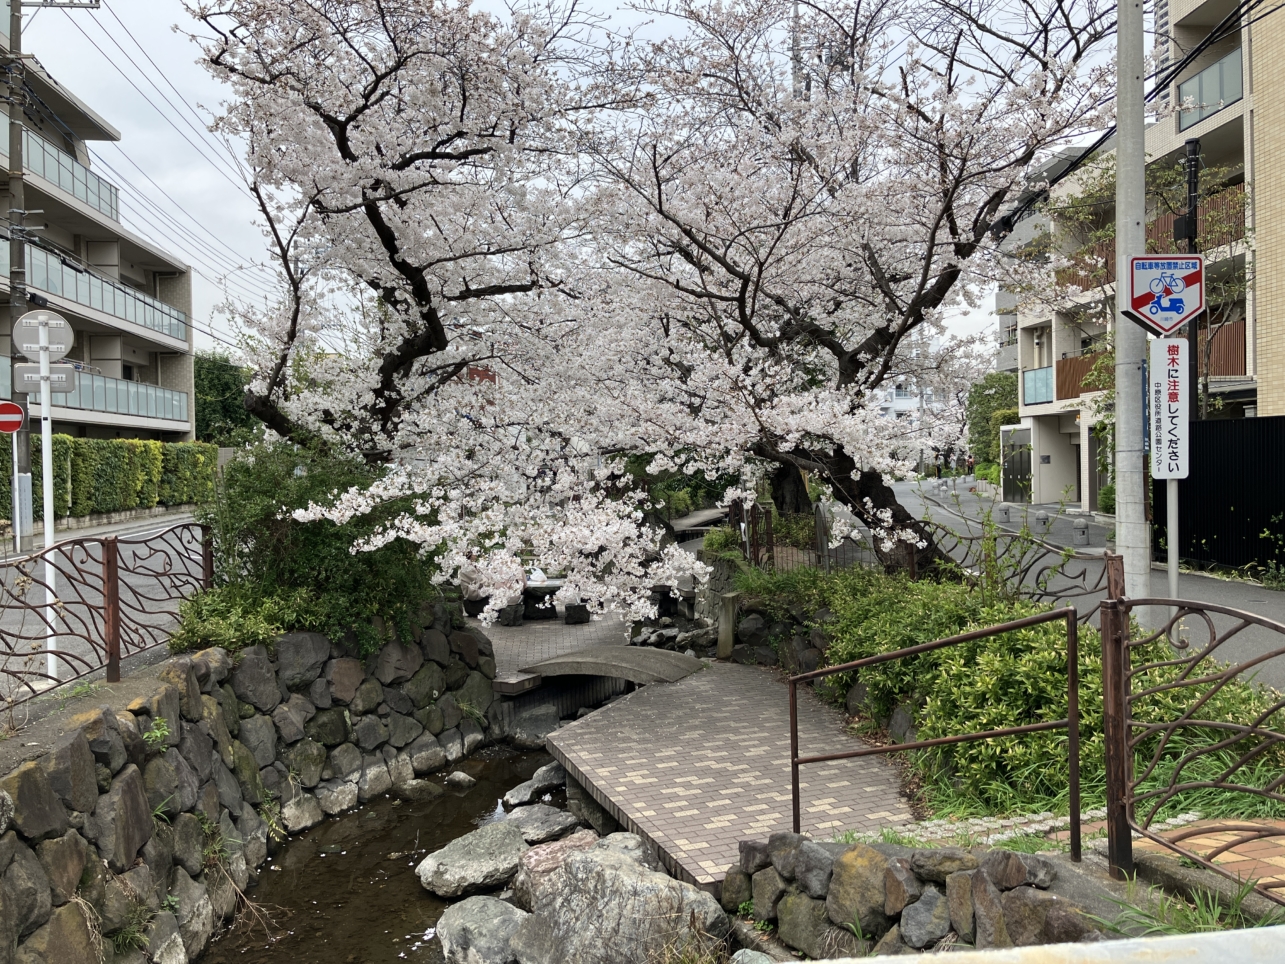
pixel 146 823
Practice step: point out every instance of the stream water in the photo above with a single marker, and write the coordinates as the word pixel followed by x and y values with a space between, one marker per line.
pixel 345 892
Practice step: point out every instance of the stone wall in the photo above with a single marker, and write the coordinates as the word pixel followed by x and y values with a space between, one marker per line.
pixel 145 824
pixel 847 900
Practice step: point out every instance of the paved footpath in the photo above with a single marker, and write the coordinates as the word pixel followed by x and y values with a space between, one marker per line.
pixel 698 765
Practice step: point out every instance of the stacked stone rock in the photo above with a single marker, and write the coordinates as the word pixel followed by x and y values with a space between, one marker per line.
pixel 763 641
pixel 840 900
pixel 113 828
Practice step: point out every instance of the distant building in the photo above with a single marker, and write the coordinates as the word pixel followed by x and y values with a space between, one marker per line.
pixel 127 298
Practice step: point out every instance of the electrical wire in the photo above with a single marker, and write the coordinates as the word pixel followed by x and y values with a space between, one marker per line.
pixel 222 172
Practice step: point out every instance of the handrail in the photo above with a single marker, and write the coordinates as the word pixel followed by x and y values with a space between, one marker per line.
pixel 1071 723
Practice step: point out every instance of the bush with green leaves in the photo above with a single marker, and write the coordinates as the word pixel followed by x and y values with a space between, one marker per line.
pixel 1014 679
pixel 274 574
pixel 722 540
pixel 987 472
pixel 997 391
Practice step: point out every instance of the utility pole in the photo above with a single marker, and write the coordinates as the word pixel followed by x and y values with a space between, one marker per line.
pixel 1190 220
pixel 1132 533
pixel 22 515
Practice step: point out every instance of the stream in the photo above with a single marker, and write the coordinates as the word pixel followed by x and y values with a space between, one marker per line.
pixel 345 892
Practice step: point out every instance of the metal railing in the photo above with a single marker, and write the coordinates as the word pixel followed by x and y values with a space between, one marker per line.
pixel 55 275
pixel 1071 724
pixel 1137 791
pixel 45 160
pixel 114 598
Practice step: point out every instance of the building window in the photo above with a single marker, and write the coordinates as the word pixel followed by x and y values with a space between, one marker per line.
pixel 1214 88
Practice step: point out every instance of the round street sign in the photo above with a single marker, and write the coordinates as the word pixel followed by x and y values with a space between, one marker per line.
pixel 27 334
pixel 10 417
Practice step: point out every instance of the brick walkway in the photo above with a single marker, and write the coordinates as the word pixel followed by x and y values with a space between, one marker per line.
pixel 1262 860
pixel 697 765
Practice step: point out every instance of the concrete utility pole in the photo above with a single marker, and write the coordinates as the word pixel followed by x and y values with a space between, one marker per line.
pixel 22 515
pixel 1132 534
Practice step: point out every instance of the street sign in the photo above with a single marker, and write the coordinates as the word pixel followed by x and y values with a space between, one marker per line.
pixel 26 378
pixel 1166 290
pixel 1170 402
pixel 60 334
pixel 11 417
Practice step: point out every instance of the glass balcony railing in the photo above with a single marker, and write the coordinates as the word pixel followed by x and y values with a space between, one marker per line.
pixel 44 160
pixel 99 393
pixel 47 272
pixel 1214 88
pixel 1037 385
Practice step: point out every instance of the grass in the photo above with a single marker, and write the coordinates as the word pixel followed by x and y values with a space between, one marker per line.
pixel 1158 914
pixel 132 935
pixel 472 712
pixel 76 692
pixel 157 735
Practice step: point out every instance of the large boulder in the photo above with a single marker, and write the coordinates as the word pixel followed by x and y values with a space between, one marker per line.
pixel 65 939
pixel 545 779
pixel 37 811
pixel 604 907
pixel 436 647
pixel 479 931
pixel 300 811
pixel 329 727
pixel 367 698
pixel 260 737
pixel 988 915
pixel 344 675
pixel 69 766
pixel 426 754
pixel 195 913
pixel 197 749
pixel 336 796
pixel 476 692
pixel 300 658
pixel 24 892
pixel 63 860
pixel 1008 869
pixel 939 863
pixel 927 920
pixel 900 886
pixel 540 823
pixel 532 727
pixel 857 891
pixel 102 731
pixel 767 887
pixel 539 865
pixel 801 922
pixel 428 683
pixel 486 858
pixel 254 680
pixel 1033 916
pixel 181 674
pixel 291 717
pixel 122 820
pixel 306 759
pixel 397 662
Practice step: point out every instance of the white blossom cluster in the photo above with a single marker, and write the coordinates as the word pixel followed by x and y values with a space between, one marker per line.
pixel 516 249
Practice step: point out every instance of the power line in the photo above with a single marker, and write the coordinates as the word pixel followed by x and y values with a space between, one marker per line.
pixel 202 132
pixel 116 67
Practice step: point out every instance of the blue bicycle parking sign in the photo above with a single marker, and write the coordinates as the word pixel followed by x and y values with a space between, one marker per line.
pixel 1166 290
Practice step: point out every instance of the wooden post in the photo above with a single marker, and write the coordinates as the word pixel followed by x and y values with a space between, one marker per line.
pixel 727 606
pixel 111 607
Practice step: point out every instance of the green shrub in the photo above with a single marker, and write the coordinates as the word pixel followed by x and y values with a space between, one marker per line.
pixel 987 472
pixel 998 390
pixel 795 529
pixel 722 539
pixel 1015 679
pixel 276 574
pixel 1106 499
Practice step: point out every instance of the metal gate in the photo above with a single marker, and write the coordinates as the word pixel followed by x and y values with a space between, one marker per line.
pixel 1016 451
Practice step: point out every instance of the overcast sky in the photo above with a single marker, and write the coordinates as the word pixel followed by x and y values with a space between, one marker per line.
pixel 159 106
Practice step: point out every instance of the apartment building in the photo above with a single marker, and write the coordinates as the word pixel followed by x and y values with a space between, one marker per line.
pixel 1231 98
pixel 127 299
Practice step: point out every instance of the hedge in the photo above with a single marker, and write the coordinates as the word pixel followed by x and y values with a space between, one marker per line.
pixel 111 475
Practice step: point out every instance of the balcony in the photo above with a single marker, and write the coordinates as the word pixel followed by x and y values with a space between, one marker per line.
pixel 99 393
pixel 1071 372
pixel 1214 88
pixel 1037 385
pixel 47 272
pixel 42 159
pixel 1220 221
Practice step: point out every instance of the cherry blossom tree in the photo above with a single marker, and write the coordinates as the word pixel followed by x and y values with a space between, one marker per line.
pixel 807 191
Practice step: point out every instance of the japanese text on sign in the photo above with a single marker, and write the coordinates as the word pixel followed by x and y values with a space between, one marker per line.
pixel 1170 403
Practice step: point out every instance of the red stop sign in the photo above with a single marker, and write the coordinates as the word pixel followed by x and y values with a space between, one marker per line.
pixel 10 417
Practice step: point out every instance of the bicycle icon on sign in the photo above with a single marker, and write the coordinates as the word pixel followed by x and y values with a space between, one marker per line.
pixel 1165 288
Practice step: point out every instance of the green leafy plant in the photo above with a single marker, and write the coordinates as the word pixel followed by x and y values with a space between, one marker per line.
pixel 270 814
pixel 746 909
pixel 988 472
pixel 170 903
pixel 722 539
pixel 156 736
pixel 995 392
pixel 1158 914
pixel 471 712
pixel 132 935
pixel 1106 499
pixel 854 926
pixel 764 926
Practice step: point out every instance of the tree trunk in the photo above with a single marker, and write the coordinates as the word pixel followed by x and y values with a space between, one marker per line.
pixel 870 498
pixel 790 491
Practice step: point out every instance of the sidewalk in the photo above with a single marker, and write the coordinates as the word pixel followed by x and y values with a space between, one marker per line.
pixel 132 528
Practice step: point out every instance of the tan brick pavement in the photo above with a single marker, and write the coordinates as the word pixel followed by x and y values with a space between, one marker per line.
pixel 697 765
pixel 1262 860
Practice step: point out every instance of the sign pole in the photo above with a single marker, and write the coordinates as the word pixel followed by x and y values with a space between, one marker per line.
pixel 47 475
pixel 1171 535
pixel 1170 377
pixel 16 499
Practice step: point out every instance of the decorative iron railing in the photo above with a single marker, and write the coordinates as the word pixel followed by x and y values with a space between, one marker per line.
pixel 110 598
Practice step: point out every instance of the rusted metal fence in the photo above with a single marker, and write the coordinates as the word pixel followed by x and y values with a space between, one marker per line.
pixel 113 597
pixel 1150 763
pixel 1071 724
